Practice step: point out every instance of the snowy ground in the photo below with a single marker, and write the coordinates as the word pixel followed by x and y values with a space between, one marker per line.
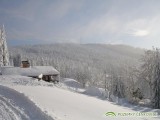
pixel 15 106
pixel 60 102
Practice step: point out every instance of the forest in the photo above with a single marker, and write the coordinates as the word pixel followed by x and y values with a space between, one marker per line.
pixel 124 71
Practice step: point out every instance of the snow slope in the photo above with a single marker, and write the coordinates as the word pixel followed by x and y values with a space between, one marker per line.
pixel 15 106
pixel 60 103
pixel 67 105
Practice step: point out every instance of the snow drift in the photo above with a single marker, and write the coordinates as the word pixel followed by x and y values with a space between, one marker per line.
pixel 72 83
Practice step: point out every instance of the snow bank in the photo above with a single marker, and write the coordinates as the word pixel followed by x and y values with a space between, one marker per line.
pixel 72 83
pixel 101 93
pixel 93 91
pixel 145 102
pixel 16 106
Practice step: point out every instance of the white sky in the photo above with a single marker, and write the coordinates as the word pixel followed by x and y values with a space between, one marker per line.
pixel 131 22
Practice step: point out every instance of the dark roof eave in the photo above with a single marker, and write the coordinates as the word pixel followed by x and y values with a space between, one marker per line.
pixel 38 75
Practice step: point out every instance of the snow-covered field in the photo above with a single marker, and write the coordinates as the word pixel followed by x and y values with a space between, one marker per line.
pixel 38 100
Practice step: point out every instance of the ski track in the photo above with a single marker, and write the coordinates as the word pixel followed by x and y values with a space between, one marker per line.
pixel 16 106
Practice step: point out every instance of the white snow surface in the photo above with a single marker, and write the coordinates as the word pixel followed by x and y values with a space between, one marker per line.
pixel 16 106
pixel 72 83
pixel 93 91
pixel 31 71
pixel 58 102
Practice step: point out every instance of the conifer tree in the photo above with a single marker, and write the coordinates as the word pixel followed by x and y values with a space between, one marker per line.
pixel 4 58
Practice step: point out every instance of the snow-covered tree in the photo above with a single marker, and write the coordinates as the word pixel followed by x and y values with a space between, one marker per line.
pixel 4 58
pixel 17 60
pixel 1 49
pixel 150 72
pixel 156 80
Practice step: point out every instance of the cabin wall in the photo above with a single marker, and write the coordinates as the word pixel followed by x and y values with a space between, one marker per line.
pixel 50 78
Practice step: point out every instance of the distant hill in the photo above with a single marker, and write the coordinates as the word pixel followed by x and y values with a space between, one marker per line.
pixel 74 60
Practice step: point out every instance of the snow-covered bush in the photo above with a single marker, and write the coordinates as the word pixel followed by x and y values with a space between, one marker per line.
pixel 93 91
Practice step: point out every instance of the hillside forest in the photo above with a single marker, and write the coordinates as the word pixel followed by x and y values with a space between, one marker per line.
pixel 123 71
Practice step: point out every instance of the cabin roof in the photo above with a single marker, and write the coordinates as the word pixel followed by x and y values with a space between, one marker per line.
pixel 30 71
pixel 25 61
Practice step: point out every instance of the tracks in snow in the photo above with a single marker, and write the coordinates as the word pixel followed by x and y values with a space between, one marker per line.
pixel 16 106
pixel 9 111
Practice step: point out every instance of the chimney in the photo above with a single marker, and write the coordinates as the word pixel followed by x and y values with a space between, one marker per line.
pixel 25 64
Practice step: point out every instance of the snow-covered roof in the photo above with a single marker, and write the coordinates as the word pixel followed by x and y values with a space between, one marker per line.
pixel 31 71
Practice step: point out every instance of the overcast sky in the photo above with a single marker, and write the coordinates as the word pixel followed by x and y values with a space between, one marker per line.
pixel 132 22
